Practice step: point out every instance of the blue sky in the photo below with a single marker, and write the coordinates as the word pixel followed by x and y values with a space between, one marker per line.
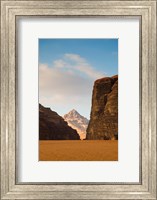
pixel 68 69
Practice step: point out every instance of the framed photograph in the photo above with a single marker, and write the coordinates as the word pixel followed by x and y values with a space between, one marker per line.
pixel 65 85
pixel 78 106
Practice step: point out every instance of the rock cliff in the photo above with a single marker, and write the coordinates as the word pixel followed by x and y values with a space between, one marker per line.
pixel 103 124
pixel 53 127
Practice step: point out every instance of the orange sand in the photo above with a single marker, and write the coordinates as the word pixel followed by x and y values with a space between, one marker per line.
pixel 78 150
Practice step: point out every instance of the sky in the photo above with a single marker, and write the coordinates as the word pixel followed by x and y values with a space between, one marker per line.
pixel 68 69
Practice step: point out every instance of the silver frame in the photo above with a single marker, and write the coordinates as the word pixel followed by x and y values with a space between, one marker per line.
pixel 10 10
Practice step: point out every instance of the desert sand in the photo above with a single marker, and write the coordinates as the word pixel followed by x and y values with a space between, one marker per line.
pixel 78 150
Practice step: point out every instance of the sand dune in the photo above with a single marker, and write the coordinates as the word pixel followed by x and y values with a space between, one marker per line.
pixel 77 150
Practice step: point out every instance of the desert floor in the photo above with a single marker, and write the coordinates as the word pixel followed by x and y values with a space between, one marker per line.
pixel 78 150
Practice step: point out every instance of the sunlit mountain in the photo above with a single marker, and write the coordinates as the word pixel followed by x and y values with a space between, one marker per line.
pixel 78 122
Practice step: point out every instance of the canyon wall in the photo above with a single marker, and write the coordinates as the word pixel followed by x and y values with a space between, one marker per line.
pixel 53 127
pixel 103 124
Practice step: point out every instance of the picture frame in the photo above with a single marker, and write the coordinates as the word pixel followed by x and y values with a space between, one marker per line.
pixel 10 11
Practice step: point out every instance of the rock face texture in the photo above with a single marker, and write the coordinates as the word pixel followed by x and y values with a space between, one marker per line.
pixel 53 127
pixel 103 124
pixel 78 122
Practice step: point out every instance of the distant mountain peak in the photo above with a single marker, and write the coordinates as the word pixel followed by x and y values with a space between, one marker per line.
pixel 73 111
pixel 77 121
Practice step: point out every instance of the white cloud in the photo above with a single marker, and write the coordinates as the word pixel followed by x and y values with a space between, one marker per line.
pixel 59 63
pixel 56 81
pixel 83 66
pixel 63 91
pixel 67 84
pixel 75 57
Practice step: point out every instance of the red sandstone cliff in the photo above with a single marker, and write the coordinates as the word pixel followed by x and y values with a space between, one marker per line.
pixel 53 127
pixel 103 122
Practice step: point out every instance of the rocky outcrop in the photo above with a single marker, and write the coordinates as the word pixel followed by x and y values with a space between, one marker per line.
pixel 53 127
pixel 103 124
pixel 78 122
